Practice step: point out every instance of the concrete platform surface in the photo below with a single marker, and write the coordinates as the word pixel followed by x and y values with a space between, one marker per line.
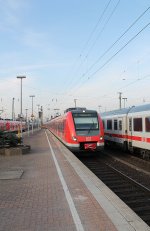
pixel 56 192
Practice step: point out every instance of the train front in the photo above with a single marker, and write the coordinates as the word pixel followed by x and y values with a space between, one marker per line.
pixel 88 131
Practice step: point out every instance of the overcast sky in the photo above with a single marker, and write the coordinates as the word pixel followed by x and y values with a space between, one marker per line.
pixel 74 51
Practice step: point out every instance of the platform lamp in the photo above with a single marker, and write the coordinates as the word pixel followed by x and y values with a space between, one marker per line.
pixel 21 115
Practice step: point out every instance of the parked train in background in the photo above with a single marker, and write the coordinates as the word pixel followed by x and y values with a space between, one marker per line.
pixel 11 126
pixel 129 128
pixel 79 129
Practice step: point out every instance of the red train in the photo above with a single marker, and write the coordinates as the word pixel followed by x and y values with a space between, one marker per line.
pixel 12 126
pixel 79 129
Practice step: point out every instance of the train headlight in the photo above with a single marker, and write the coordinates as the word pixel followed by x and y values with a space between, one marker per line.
pixel 101 137
pixel 74 138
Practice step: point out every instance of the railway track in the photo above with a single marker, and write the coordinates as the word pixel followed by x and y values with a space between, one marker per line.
pixel 134 194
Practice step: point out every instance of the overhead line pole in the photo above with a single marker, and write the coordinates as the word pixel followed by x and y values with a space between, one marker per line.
pixel 120 93
pixel 75 102
pixel 32 116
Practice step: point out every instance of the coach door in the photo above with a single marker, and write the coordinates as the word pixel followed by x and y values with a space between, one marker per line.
pixel 120 131
pixel 130 132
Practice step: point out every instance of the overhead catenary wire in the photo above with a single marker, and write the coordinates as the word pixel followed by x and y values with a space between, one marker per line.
pixel 125 86
pixel 72 81
pixel 76 80
pixel 88 40
pixel 103 65
pixel 135 81
pixel 108 19
pixel 107 50
pixel 124 45
pixel 119 50
pixel 95 27
pixel 118 39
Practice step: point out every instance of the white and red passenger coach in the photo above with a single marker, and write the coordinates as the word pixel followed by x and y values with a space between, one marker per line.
pixel 79 129
pixel 128 127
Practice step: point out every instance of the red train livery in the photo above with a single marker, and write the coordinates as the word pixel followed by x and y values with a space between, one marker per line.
pixel 79 129
pixel 11 126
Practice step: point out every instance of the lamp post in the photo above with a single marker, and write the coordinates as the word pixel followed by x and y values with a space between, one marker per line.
pixel 99 106
pixel 125 99
pixel 38 105
pixel 13 109
pixel 32 116
pixel 120 93
pixel 1 111
pixel 57 110
pixel 38 118
pixel 26 115
pixel 21 115
pixel 48 113
pixel 75 100
pixel 27 121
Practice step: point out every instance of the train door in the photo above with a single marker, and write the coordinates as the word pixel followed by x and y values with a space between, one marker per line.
pixel 122 135
pixel 130 131
pixel 120 130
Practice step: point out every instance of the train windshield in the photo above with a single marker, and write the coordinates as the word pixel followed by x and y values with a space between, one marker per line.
pixel 86 121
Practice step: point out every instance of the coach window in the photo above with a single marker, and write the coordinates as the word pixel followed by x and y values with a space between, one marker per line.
pixel 137 124
pixel 109 124
pixel 147 124
pixel 115 125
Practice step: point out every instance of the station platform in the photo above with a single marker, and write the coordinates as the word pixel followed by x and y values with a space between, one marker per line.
pixel 49 189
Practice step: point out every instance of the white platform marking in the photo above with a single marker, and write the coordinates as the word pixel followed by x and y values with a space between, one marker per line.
pixel 71 204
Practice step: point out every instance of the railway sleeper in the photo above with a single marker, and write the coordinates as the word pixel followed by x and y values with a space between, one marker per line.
pixel 123 190
pixel 142 209
pixel 110 178
pixel 132 196
pixel 137 203
pixel 122 187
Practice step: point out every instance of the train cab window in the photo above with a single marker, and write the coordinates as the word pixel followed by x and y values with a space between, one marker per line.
pixel 115 125
pixel 109 124
pixel 137 124
pixel 86 121
pixel 147 124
